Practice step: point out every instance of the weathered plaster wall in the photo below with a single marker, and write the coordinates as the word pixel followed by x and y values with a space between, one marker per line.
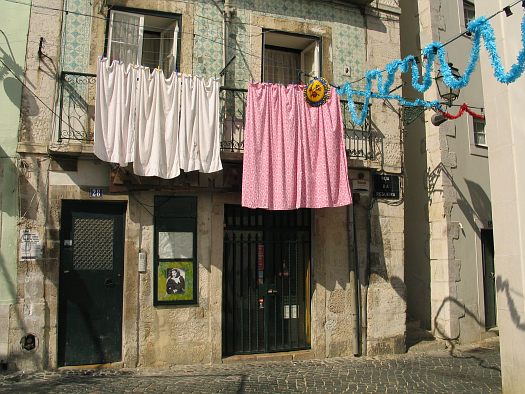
pixel 161 336
pixel 417 229
pixel 506 160
pixel 14 26
pixel 457 187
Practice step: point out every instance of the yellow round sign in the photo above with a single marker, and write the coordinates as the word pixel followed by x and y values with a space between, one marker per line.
pixel 317 92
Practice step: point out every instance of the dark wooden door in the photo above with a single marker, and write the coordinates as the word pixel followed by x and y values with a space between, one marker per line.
pixel 266 280
pixel 489 278
pixel 91 281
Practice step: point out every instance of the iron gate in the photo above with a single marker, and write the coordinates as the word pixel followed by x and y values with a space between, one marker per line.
pixel 266 280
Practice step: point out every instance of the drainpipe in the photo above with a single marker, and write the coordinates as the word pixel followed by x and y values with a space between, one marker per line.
pixel 227 14
pixel 366 282
pixel 353 268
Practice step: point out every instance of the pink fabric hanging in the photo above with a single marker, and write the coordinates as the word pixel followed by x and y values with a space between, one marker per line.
pixel 294 155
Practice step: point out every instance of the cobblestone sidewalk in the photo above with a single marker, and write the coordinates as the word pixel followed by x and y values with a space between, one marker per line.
pixel 473 369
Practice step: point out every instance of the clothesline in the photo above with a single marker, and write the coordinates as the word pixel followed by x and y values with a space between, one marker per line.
pixel 161 125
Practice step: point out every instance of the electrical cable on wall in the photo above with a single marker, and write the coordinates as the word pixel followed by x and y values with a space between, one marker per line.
pixel 479 28
pixel 210 39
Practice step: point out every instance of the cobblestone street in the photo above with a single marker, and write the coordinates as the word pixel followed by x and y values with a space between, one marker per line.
pixel 472 369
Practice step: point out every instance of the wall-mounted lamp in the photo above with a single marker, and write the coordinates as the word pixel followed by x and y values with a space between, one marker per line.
pixel 445 92
pixel 437 119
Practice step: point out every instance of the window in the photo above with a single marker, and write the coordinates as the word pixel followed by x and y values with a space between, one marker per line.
pixel 479 132
pixel 477 136
pixel 136 37
pixel 175 251
pixel 288 57
pixel 468 11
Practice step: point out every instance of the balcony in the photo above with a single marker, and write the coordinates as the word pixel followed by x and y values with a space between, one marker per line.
pixel 77 120
pixel 360 141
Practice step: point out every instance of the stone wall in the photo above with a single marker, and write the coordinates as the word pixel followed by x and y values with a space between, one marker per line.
pixel 161 336
pixel 452 194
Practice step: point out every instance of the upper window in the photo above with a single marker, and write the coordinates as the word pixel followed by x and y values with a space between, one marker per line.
pixel 479 132
pixel 144 39
pixel 468 11
pixel 290 58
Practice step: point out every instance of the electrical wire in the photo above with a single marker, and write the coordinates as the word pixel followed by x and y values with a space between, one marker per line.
pixel 38 98
pixel 210 39
pixel 185 1
pixel 450 41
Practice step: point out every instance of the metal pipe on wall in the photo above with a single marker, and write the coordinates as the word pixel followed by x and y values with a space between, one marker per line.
pixel 227 13
pixel 366 282
pixel 353 268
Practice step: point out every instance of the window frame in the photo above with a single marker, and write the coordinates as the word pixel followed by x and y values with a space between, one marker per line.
pixel 315 39
pixel 471 7
pixel 484 133
pixel 182 219
pixel 145 13
pixel 475 148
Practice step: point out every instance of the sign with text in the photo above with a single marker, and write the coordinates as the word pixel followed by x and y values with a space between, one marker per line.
pixel 386 186
pixel 96 192
pixel 30 245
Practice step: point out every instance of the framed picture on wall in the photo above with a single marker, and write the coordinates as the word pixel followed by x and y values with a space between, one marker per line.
pixel 175 243
pixel 175 282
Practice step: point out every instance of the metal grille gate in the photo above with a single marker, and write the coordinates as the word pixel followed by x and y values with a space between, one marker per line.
pixel 266 280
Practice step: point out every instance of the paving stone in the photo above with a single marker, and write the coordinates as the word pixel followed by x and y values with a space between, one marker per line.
pixel 460 370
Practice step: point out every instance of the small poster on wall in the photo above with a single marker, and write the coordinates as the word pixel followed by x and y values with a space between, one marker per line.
pixel 175 282
pixel 30 245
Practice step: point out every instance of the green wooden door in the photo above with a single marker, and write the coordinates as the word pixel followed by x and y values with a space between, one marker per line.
pixel 489 278
pixel 91 281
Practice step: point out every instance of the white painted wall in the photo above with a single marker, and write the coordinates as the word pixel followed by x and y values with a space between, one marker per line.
pixel 506 117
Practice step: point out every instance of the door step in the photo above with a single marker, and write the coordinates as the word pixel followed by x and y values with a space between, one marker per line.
pixel 115 365
pixel 283 356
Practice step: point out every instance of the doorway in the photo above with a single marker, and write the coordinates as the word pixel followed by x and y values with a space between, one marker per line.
pixel 489 277
pixel 90 282
pixel 266 286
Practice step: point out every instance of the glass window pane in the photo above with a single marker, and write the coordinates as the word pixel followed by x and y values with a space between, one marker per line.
pixel 479 132
pixel 175 245
pixel 480 139
pixel 126 37
pixel 151 49
pixel 281 66
pixel 468 11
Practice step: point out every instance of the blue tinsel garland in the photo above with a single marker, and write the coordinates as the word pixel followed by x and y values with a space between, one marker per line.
pixel 480 28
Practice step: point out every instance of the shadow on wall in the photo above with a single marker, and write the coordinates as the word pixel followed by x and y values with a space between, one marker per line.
pixel 16 314
pixel 503 286
pixel 11 73
pixel 7 167
pixel 33 196
pixel 479 209
pixel 452 302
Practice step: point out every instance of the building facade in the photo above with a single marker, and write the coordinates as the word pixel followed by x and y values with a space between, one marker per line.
pixel 13 40
pixel 506 158
pixel 449 258
pixel 258 281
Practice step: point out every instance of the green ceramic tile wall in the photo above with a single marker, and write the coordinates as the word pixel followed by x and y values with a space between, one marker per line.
pixel 346 22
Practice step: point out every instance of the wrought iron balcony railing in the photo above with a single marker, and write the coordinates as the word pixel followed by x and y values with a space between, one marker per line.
pixel 77 107
pixel 77 117
pixel 360 141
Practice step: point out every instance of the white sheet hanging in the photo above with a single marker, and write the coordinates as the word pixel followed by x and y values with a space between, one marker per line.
pixel 114 112
pixel 199 142
pixel 156 142
pixel 160 124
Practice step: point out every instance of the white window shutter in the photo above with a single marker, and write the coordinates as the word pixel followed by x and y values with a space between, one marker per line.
pixel 125 36
pixel 310 60
pixel 169 48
